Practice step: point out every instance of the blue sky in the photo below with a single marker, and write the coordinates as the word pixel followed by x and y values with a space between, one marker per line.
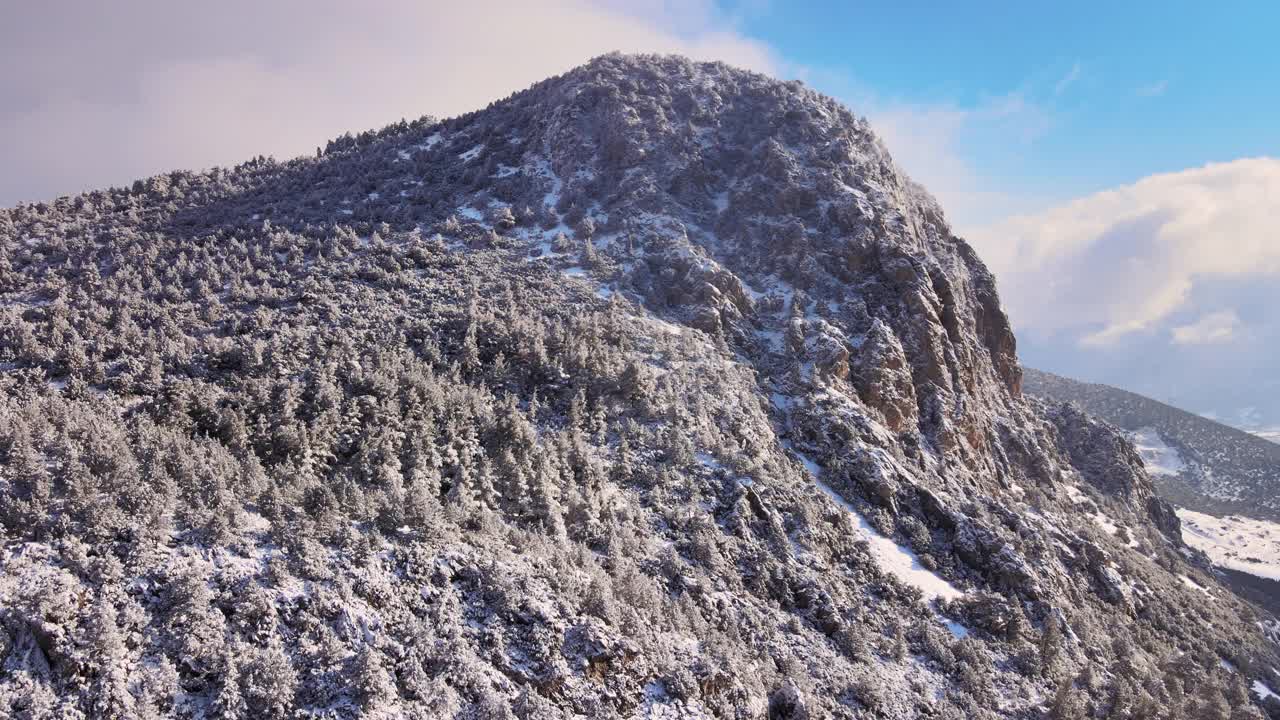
pixel 1116 165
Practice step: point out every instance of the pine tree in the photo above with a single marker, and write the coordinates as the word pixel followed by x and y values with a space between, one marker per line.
pixel 514 483
pixel 483 490
pixel 229 702
pixel 198 628
pixel 469 354
pixel 544 503
pixel 1050 643
pixel 1066 703
pixel 898 648
pixel 26 506
pixel 270 682
pixel 636 385
pixel 373 684
pixel 624 467
pixel 578 410
pixel 111 699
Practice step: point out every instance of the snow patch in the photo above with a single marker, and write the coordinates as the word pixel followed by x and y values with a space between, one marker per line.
pixel 1271 434
pixel 782 402
pixel 961 632
pixel 1263 691
pixel 1159 457
pixel 1235 542
pixel 1074 493
pixel 470 213
pixel 1194 585
pixel 552 196
pixel 897 560
pixel 1105 523
pixel 1078 497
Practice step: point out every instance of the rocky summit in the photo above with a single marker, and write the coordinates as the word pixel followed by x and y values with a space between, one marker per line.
pixel 655 390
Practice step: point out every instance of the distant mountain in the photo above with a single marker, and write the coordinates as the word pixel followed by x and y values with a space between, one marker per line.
pixel 653 391
pixel 1195 462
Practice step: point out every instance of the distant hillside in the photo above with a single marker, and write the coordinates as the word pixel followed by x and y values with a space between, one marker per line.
pixel 1196 463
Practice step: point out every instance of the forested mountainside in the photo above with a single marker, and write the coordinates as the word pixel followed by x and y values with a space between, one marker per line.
pixel 1215 468
pixel 655 390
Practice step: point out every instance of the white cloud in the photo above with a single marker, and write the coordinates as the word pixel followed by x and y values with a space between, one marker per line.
pixel 925 142
pixel 1155 89
pixel 1125 260
pixel 116 91
pixel 1067 80
pixel 1211 329
pixel 934 144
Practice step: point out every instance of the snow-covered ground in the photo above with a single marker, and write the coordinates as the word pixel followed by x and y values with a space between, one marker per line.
pixel 1193 584
pixel 1108 525
pixel 893 558
pixel 1157 455
pixel 1263 691
pixel 1238 543
pixel 1272 434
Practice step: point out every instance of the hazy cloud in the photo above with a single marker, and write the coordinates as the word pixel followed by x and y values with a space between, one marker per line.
pixel 103 93
pixel 1155 89
pixel 1210 329
pixel 935 144
pixel 1125 260
pixel 1072 75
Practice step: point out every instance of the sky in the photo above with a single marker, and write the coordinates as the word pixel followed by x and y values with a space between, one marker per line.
pixel 1116 164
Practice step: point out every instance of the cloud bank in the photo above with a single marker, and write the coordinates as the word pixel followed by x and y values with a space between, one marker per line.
pixel 1213 328
pixel 103 93
pixel 1127 260
pixel 1167 287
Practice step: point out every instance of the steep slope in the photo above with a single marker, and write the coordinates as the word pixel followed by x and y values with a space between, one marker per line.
pixel 655 390
pixel 1197 463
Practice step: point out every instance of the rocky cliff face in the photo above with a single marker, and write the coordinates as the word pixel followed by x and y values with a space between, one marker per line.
pixel 655 390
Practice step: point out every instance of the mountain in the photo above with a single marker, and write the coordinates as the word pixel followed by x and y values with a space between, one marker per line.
pixel 1195 462
pixel 654 390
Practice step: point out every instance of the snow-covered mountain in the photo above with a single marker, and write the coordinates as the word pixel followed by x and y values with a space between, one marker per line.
pixel 1196 462
pixel 655 390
